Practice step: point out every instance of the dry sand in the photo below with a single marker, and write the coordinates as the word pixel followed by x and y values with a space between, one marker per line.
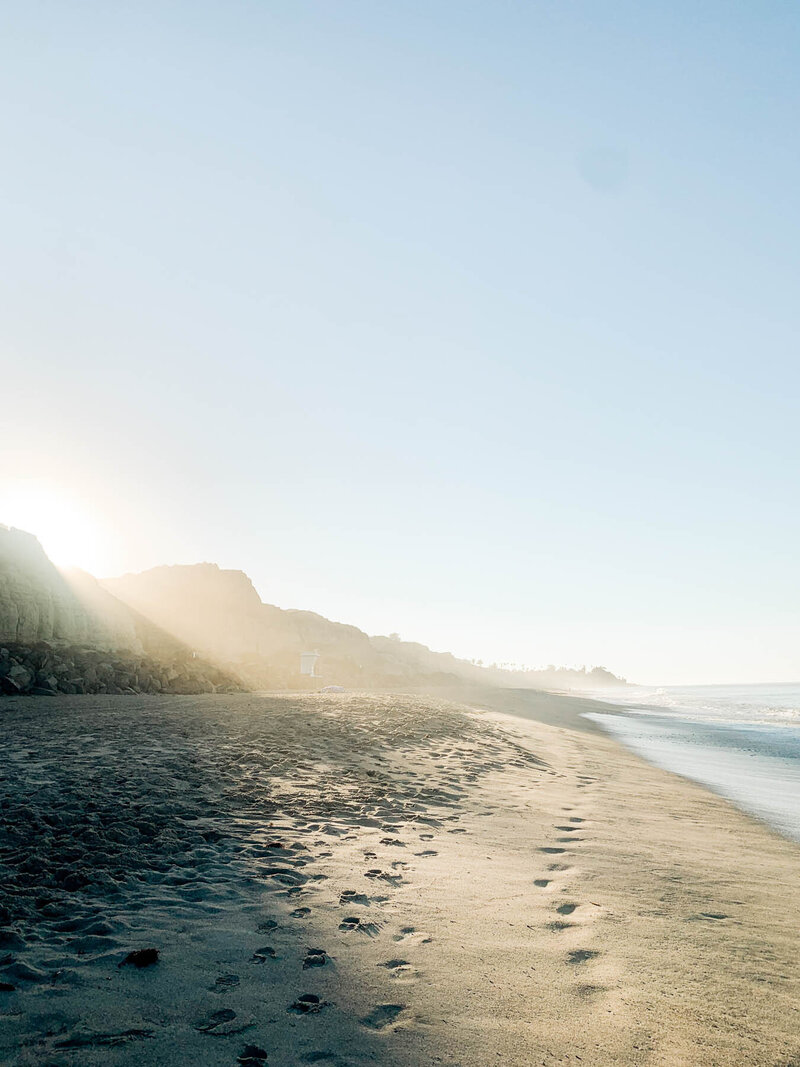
pixel 454 887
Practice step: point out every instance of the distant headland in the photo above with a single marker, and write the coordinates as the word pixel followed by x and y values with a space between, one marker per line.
pixel 198 628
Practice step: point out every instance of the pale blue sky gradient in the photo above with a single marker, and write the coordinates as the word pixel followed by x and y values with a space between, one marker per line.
pixel 476 321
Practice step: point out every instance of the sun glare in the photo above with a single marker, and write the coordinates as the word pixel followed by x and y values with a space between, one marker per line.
pixel 66 526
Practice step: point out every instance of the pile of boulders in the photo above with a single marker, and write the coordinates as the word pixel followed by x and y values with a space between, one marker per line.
pixel 46 670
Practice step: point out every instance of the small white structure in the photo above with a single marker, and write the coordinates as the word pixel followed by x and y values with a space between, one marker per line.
pixel 308 664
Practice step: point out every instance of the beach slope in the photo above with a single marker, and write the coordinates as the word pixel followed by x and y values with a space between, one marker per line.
pixel 361 878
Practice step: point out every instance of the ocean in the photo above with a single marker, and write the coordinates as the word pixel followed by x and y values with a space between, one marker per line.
pixel 742 741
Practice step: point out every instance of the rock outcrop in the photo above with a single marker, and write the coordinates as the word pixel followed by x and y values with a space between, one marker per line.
pixel 62 632
pixel 46 670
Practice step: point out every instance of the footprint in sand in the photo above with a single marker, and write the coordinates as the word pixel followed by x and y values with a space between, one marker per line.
pixel 261 955
pixel 382 1015
pixel 107 1040
pixel 559 866
pixel 300 913
pixel 351 896
pixel 410 933
pixel 392 879
pixel 307 1004
pixel 566 909
pixel 352 922
pixel 286 876
pixel 223 1023
pixel 315 957
pixel 542 883
pixel 252 1056
pixel 225 982
pixel 401 970
pixel 586 990
pixel 553 851
pixel 582 955
pixel 427 852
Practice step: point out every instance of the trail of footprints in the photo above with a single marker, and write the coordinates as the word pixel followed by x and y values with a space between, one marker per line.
pixel 356 911
pixel 275 807
pixel 359 914
pixel 566 914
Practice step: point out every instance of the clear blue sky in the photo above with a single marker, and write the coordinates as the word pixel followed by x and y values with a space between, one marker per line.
pixel 475 321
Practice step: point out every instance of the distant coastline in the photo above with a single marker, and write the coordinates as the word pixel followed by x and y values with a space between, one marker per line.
pixel 199 628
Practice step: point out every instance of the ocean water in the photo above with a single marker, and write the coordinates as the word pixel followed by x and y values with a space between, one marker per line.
pixel 742 741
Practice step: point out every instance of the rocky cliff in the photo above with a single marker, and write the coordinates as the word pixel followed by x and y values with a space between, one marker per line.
pixel 40 603
pixel 62 632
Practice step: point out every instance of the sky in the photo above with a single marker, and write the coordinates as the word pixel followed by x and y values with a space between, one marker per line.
pixel 475 322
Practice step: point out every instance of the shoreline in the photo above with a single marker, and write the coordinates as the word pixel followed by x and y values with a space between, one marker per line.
pixel 732 760
pixel 472 885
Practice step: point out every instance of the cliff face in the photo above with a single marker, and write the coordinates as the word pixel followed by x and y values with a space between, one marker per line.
pixel 39 603
pixel 219 613
pixel 65 633
pixel 196 629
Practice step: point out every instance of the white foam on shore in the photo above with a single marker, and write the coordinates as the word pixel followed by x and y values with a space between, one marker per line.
pixel 778 704
pixel 755 766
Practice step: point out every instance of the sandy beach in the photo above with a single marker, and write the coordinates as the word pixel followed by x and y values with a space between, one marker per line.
pixel 378 878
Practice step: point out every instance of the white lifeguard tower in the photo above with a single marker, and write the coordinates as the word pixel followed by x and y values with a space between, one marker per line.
pixel 308 664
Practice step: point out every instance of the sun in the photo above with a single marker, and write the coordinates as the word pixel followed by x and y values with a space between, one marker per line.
pixel 67 526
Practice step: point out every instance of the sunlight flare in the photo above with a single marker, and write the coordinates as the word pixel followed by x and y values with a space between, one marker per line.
pixel 67 525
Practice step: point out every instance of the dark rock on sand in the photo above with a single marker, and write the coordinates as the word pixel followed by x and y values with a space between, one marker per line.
pixel 141 957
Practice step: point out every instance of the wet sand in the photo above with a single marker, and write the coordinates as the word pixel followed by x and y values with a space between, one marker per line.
pixel 354 878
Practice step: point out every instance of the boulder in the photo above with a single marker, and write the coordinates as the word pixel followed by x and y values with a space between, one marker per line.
pixel 20 675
